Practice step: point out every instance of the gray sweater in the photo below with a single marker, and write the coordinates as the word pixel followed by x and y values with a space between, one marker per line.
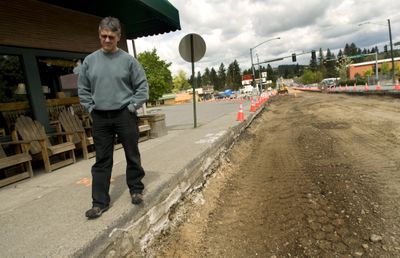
pixel 112 81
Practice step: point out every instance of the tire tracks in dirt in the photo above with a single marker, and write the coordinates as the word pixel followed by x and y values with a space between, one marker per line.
pixel 313 176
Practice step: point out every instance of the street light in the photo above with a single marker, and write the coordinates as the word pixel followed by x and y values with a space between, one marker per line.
pixel 391 45
pixel 251 57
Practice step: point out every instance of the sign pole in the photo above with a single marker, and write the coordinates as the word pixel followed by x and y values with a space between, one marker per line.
pixel 192 48
pixel 193 81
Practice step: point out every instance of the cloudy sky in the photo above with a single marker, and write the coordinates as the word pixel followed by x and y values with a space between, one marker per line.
pixel 231 27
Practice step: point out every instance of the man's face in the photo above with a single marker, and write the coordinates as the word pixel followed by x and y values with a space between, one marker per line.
pixel 109 40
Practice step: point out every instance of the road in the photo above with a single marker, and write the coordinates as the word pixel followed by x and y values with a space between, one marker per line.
pixel 315 175
pixel 178 117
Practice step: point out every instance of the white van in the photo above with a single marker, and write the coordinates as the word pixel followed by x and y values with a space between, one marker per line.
pixel 329 83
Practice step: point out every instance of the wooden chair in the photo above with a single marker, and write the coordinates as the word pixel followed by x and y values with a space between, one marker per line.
pixel 83 115
pixel 34 132
pixel 15 162
pixel 11 116
pixel 70 123
pixel 54 111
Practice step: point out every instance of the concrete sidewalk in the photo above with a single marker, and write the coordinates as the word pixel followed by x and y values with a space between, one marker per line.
pixel 44 216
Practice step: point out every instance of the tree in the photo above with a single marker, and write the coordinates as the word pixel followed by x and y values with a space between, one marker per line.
pixel 221 77
pixel 213 77
pixel 180 82
pixel 199 81
pixel 321 58
pixel 385 68
pixel 313 64
pixel 158 74
pixel 270 73
pixel 206 78
pixel 368 73
pixel 310 76
pixel 343 62
pixel 234 76
pixel 330 64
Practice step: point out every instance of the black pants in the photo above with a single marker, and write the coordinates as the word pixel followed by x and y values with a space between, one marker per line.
pixel 107 124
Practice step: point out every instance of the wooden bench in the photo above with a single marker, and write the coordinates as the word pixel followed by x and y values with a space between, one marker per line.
pixel 19 163
pixel 144 132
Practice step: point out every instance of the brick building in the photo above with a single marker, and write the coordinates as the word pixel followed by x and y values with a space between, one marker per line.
pixel 361 68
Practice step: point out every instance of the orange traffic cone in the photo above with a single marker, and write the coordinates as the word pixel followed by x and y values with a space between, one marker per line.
pixel 397 85
pixel 355 87
pixel 378 87
pixel 366 87
pixel 240 114
pixel 257 102
pixel 253 106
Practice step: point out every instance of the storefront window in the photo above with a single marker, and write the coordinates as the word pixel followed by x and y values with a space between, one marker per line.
pixel 12 79
pixel 58 76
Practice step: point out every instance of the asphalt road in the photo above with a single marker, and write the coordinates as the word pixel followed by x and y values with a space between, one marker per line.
pixel 179 117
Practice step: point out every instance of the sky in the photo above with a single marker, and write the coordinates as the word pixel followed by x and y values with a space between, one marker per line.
pixel 231 27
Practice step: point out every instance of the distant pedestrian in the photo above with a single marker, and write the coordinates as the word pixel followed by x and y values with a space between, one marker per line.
pixel 112 85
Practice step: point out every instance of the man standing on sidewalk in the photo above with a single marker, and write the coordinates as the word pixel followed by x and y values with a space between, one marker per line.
pixel 112 85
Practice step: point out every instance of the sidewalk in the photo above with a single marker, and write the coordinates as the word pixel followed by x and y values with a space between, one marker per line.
pixel 44 216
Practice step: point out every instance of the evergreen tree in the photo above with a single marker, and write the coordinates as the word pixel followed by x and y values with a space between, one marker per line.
pixel 221 77
pixel 347 50
pixel 330 64
pixel 199 82
pixel 320 57
pixel 313 65
pixel 205 79
pixel 213 77
pixel 234 76
pixel 270 73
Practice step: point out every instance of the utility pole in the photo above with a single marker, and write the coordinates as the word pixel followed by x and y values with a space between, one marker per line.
pixel 259 75
pixel 391 52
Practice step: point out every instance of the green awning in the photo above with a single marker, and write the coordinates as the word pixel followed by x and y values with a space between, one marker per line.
pixel 140 18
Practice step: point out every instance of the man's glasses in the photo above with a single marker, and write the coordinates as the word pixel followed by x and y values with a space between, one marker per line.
pixel 104 37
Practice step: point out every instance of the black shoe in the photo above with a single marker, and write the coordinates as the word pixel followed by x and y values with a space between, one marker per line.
pixel 95 212
pixel 137 198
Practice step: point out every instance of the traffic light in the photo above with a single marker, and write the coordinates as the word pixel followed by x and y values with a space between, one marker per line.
pixel 313 56
pixel 294 57
pixel 385 48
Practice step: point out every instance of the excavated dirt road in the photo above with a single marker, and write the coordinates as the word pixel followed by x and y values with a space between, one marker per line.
pixel 315 175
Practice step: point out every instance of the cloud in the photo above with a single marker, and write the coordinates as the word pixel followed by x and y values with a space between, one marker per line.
pixel 230 28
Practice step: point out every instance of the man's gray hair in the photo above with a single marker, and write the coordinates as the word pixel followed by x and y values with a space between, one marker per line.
pixel 110 23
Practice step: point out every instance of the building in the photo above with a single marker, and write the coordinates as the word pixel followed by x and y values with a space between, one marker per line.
pixel 43 41
pixel 361 68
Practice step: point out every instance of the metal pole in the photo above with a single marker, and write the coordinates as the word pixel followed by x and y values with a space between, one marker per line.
pixel 391 52
pixel 252 66
pixel 193 81
pixel 259 74
pixel 376 67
